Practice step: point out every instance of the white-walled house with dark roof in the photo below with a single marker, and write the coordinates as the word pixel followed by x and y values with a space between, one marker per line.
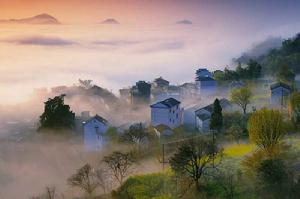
pixel 203 115
pixel 280 93
pixel 93 133
pixel 167 112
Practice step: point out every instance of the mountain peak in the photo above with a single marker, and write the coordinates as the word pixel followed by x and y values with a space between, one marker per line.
pixel 185 22
pixel 41 19
pixel 110 21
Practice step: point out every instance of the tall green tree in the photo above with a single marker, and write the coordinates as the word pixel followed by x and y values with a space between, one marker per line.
pixel 241 97
pixel 266 128
pixel 57 115
pixel 294 107
pixel 285 74
pixel 216 120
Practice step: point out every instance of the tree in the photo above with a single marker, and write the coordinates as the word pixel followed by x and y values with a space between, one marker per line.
pixel 87 84
pixel 273 177
pixel 266 128
pixel 285 74
pixel 294 107
pixel 57 115
pixel 136 134
pixel 194 158
pixel 253 69
pixel 84 179
pixel 235 132
pixel 241 97
pixel 119 164
pixel 216 120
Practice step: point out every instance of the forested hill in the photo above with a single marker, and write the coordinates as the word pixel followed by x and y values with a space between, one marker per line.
pixel 288 54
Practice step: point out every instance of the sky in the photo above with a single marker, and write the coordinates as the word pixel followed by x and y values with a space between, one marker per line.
pixel 148 43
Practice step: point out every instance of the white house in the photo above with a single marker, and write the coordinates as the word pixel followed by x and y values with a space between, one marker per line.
pixel 280 93
pixel 167 112
pixel 93 133
pixel 203 114
pixel 206 85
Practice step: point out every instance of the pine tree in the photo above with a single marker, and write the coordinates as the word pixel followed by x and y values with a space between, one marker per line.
pixel 216 120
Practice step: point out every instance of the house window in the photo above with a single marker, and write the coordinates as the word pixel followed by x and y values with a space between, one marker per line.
pixel 177 115
pixel 173 112
pixel 170 120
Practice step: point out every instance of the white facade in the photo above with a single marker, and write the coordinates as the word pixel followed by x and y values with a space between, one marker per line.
pixel 206 85
pixel 169 114
pixel 93 131
pixel 279 96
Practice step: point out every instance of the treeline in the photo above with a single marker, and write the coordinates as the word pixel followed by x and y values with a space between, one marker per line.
pixel 252 70
pixel 288 54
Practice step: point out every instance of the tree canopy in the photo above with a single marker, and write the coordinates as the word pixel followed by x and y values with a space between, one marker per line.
pixel 266 128
pixel 216 120
pixel 241 97
pixel 57 115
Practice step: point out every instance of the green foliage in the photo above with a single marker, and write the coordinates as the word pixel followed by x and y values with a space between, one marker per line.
pixel 272 171
pixel 287 55
pixel 285 74
pixel 112 134
pixel 241 97
pixel 273 179
pixel 216 120
pixel 266 128
pixel 294 107
pixel 57 115
pixel 252 70
pixel 151 186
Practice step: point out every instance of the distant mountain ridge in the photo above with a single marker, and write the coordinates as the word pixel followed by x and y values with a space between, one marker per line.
pixel 42 19
pixel 110 21
pixel 185 22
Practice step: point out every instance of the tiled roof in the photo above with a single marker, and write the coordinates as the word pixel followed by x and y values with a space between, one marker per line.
pixel 99 118
pixel 280 84
pixel 203 117
pixel 170 102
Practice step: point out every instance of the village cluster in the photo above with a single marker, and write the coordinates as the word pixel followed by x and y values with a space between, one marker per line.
pixel 171 106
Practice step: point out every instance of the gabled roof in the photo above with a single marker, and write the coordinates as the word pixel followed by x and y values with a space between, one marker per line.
pixel 168 103
pixel 223 102
pixel 203 117
pixel 99 118
pixel 280 84
pixel 202 70
pixel 201 78
pixel 161 80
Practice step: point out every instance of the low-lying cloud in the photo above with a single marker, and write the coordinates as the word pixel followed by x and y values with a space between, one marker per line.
pixel 39 41
pixel 163 46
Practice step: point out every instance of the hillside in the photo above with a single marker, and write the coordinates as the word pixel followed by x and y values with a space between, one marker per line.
pixel 42 19
pixel 288 53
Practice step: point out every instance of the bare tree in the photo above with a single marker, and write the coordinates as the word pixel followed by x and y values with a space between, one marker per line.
pixel 104 179
pixel 87 84
pixel 50 193
pixel 85 179
pixel 194 158
pixel 119 164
